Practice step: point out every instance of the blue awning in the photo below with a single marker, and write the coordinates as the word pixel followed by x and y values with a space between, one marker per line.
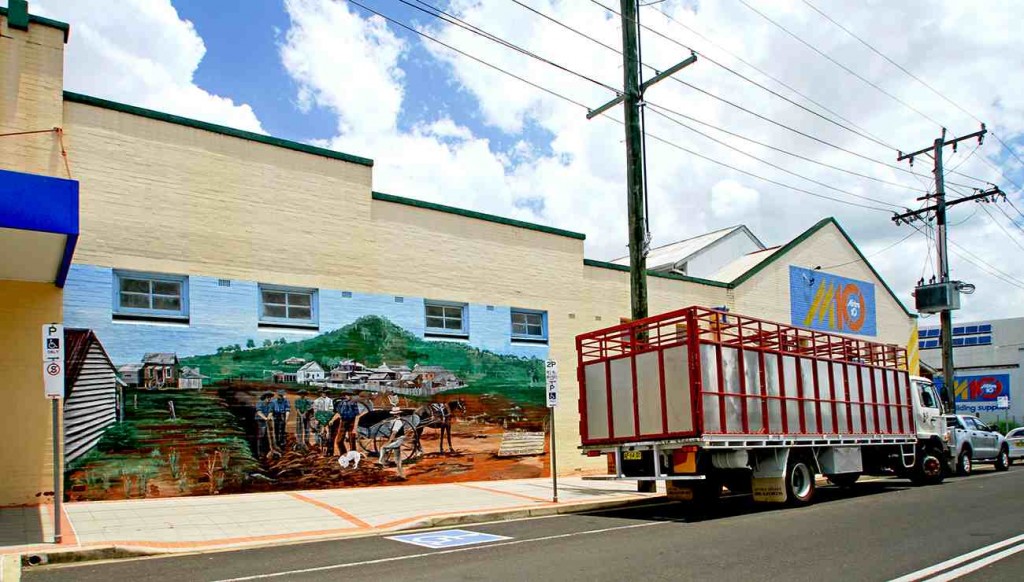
pixel 38 227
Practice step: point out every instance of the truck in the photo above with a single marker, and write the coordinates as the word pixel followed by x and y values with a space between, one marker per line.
pixel 704 399
pixel 972 441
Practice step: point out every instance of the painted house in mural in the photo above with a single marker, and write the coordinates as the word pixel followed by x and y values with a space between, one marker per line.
pixel 309 372
pixel 131 375
pixel 190 379
pixel 92 392
pixel 159 369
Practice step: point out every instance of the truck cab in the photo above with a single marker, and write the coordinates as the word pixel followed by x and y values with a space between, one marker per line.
pixel 933 437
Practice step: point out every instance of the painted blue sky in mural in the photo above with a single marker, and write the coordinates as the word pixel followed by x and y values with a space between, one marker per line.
pixel 227 312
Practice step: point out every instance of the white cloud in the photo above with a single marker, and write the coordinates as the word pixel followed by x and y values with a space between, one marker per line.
pixel 142 53
pixel 730 200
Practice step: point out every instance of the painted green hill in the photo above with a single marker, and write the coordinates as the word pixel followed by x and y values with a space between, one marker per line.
pixel 374 340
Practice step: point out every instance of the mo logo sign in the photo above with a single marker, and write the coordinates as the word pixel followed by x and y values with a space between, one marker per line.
pixel 829 302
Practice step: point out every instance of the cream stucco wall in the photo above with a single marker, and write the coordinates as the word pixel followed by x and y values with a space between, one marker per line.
pixel 26 455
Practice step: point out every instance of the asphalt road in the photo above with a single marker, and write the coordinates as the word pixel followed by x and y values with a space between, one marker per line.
pixel 880 530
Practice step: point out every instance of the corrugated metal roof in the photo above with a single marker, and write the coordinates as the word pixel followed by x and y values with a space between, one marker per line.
pixel 741 265
pixel 667 255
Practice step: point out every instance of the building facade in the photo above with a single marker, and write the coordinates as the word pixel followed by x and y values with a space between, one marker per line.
pixel 988 357
pixel 237 290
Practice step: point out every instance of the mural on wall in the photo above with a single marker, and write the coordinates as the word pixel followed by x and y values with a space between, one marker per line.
pixel 981 393
pixel 368 403
pixel 828 302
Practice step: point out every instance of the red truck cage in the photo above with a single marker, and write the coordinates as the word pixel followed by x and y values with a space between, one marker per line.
pixel 700 373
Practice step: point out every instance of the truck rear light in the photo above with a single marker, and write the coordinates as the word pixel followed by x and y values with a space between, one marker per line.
pixel 593 453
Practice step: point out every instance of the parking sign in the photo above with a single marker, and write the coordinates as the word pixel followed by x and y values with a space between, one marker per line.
pixel 551 381
pixel 53 360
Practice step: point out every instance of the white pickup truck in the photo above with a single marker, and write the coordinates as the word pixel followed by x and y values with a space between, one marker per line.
pixel 972 441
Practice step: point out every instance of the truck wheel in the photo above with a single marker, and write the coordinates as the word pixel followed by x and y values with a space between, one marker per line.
pixel 799 482
pixel 1003 460
pixel 928 469
pixel 964 464
pixel 844 479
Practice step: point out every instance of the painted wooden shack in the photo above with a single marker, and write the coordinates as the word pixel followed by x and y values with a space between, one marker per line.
pixel 92 392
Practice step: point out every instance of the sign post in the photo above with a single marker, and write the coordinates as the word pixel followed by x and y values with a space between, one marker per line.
pixel 551 389
pixel 53 388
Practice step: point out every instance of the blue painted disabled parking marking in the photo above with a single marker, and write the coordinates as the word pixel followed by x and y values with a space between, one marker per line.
pixel 449 538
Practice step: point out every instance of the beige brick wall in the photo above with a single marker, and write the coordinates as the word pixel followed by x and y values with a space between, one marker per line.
pixel 766 294
pixel 31 86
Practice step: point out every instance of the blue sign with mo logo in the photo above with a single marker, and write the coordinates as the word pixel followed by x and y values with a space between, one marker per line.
pixel 828 302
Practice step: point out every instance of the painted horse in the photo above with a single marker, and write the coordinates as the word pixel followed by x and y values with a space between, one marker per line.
pixel 438 415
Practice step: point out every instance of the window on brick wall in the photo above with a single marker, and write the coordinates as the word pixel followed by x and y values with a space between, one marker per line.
pixel 288 306
pixel 446 318
pixel 150 295
pixel 529 324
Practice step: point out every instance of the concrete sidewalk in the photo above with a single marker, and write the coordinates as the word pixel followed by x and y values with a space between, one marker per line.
pixel 185 524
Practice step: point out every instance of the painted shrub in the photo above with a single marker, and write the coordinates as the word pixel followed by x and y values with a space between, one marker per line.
pixel 220 399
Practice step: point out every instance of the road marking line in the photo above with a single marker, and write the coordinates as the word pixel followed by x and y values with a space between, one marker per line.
pixel 930 570
pixel 967 569
pixel 441 553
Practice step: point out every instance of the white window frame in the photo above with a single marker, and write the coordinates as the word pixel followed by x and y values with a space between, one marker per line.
pixel 145 313
pixel 430 330
pixel 542 337
pixel 314 307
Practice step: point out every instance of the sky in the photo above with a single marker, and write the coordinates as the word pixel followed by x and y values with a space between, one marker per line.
pixel 443 127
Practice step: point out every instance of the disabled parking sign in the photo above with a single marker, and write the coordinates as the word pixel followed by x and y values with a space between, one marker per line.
pixel 449 538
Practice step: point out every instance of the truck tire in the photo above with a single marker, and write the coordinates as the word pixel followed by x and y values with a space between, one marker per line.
pixel 928 467
pixel 799 482
pixel 844 479
pixel 1003 460
pixel 964 464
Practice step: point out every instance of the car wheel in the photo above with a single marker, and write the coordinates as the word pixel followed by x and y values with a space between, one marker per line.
pixel 799 482
pixel 963 463
pixel 1003 460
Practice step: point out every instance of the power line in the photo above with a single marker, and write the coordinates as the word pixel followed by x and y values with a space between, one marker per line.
pixel 983 266
pixel 753 82
pixel 1010 218
pixel 840 65
pixel 762 71
pixel 762 178
pixel 656 111
pixel 781 150
pixel 872 255
pixel 444 16
pixel 1002 228
pixel 695 120
pixel 467 55
pixel 582 106
pixel 767 119
pixel 913 76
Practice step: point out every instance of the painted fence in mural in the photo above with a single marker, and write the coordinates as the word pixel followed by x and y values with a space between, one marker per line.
pixel 216 402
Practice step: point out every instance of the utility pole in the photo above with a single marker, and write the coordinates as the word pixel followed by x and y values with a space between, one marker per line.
pixel 632 98
pixel 634 162
pixel 943 296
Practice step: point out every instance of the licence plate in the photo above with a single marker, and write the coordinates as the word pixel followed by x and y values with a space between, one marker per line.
pixel 631 455
pixel 1019 444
